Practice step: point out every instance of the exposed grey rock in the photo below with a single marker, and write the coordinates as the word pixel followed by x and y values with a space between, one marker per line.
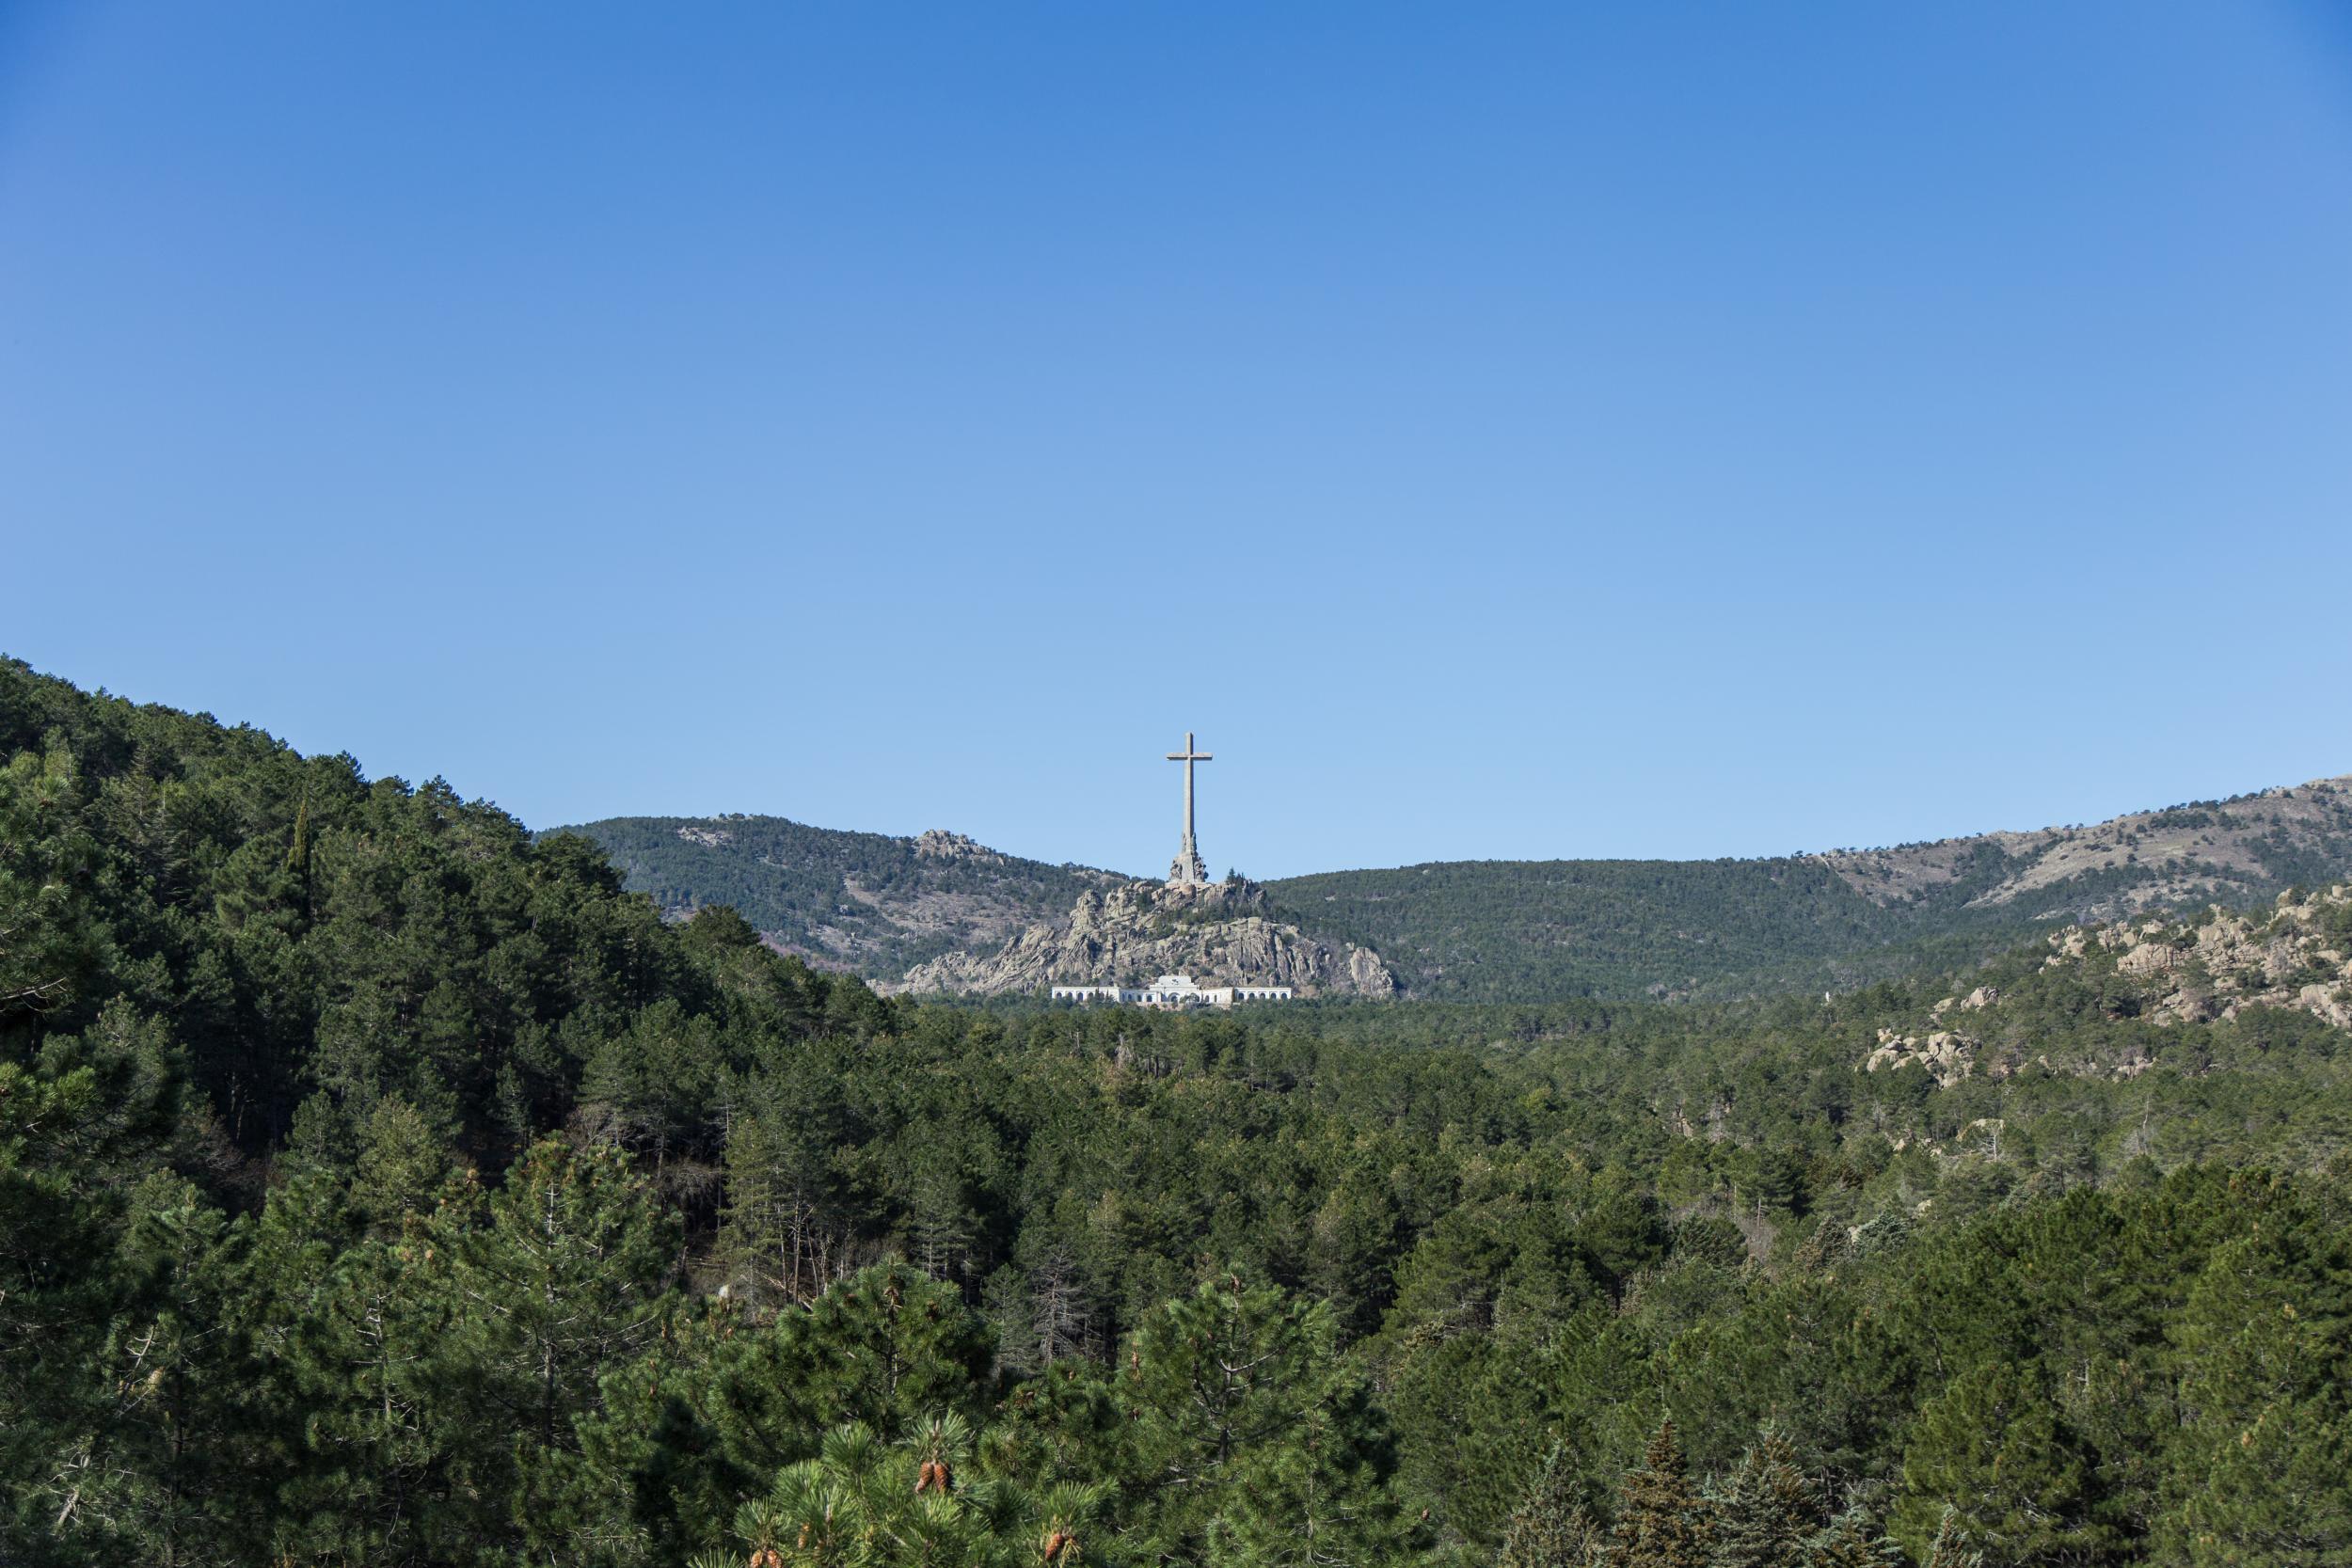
pixel 1946 1056
pixel 938 844
pixel 1219 933
pixel 2223 963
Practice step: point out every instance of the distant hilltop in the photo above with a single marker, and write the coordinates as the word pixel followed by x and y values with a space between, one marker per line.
pixel 865 902
pixel 2226 851
pixel 1498 930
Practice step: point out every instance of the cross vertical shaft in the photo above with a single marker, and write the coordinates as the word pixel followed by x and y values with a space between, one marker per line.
pixel 1188 869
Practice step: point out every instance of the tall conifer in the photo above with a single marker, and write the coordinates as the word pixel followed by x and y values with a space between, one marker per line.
pixel 1549 1529
pixel 1764 1512
pixel 1662 1522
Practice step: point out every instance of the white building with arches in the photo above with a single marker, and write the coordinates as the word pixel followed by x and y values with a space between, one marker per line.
pixel 1172 992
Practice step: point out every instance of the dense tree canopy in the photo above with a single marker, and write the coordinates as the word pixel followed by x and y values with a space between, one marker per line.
pixel 380 1185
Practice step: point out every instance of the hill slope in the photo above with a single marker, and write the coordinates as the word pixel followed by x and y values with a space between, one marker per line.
pixel 1542 930
pixel 865 902
pixel 316 1092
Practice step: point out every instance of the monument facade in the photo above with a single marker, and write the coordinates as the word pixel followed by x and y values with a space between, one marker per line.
pixel 1171 992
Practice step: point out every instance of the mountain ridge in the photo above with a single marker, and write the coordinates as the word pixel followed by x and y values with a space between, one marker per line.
pixel 1527 931
pixel 873 903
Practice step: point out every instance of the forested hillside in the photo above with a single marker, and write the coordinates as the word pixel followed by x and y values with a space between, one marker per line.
pixel 378 1184
pixel 1545 930
pixel 874 905
pixel 1534 931
pixel 1548 930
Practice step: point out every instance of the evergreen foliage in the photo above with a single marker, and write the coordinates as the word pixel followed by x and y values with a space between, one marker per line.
pixel 1764 1514
pixel 1549 1529
pixel 380 1183
pixel 1662 1521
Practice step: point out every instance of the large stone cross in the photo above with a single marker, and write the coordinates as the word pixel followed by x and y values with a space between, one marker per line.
pixel 1188 869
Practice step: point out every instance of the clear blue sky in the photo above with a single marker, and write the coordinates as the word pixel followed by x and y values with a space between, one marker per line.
pixel 1499 431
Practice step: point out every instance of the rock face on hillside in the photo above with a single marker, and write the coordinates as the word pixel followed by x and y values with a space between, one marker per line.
pixel 1946 1055
pixel 938 844
pixel 1219 933
pixel 2172 974
pixel 2219 965
pixel 2229 851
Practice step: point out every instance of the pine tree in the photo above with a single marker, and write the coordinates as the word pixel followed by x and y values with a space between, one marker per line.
pixel 941 1226
pixel 51 943
pixel 1993 1447
pixel 1662 1522
pixel 1317 1495
pixel 1949 1548
pixel 298 850
pixel 76 1114
pixel 1852 1541
pixel 915 1503
pixel 566 1274
pixel 709 1412
pixel 2266 1350
pixel 1061 1313
pixel 777 1228
pixel 401 1165
pixel 359 1329
pixel 1261 1446
pixel 1549 1529
pixel 175 1477
pixel 1764 1512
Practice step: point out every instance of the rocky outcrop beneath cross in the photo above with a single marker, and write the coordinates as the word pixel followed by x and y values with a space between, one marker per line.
pixel 1223 933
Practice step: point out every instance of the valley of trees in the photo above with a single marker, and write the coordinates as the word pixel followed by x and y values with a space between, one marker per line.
pixel 381 1185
